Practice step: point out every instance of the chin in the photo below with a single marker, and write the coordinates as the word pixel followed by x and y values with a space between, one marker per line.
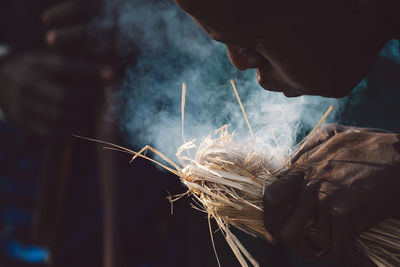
pixel 322 93
pixel 291 94
pixel 334 93
pixel 273 85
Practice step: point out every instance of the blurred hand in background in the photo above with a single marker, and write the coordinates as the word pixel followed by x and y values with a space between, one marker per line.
pixel 52 92
pixel 68 22
pixel 49 94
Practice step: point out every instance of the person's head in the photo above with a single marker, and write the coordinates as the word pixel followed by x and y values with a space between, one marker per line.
pixel 313 47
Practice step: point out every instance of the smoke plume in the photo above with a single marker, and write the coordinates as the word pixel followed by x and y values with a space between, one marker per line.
pixel 174 50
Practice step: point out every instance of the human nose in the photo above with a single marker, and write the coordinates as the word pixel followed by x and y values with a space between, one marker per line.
pixel 245 58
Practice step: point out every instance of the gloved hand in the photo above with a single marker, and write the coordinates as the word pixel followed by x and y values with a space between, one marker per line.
pixel 343 182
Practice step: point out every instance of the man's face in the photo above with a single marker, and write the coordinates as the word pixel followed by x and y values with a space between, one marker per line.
pixel 309 49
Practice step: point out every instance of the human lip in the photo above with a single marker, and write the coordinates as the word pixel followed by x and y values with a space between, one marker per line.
pixel 264 82
pixel 270 85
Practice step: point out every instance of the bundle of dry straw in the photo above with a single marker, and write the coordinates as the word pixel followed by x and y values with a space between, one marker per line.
pixel 228 180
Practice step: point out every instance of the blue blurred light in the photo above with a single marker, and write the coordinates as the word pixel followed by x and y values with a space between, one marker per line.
pixel 26 253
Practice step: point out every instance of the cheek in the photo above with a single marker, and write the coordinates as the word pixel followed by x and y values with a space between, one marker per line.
pixel 328 61
pixel 291 66
pixel 303 64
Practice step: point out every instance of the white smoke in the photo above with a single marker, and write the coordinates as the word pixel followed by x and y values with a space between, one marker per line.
pixel 173 49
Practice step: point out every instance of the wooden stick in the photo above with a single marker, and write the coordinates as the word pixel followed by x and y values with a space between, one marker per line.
pixel 183 110
pixel 312 133
pixel 243 110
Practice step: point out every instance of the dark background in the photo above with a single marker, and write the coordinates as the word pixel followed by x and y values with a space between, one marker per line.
pixel 74 203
